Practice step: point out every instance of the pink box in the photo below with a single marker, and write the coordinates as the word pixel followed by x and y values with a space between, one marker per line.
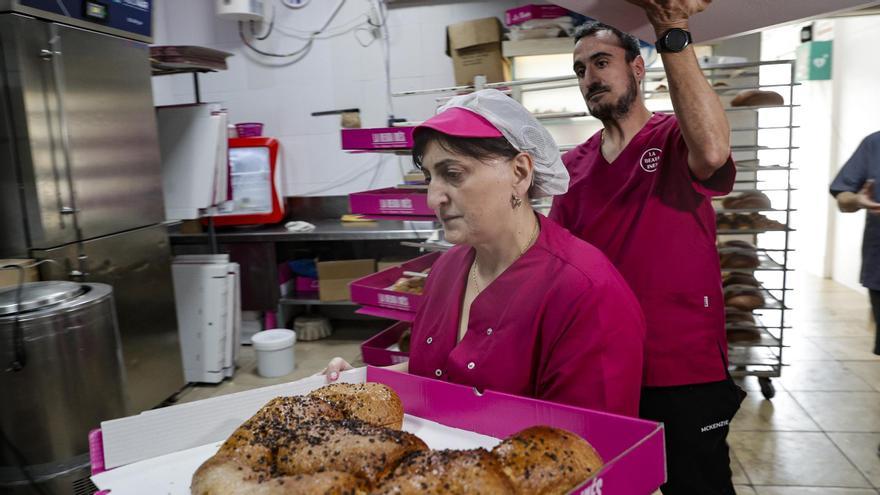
pixel 306 284
pixel 380 138
pixel 633 449
pixel 390 201
pixel 525 13
pixel 375 349
pixel 371 291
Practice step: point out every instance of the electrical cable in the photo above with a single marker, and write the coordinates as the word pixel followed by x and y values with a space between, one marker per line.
pixel 297 6
pixel 269 31
pixel 303 50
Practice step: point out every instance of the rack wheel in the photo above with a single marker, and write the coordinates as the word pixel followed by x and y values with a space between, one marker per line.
pixel 767 388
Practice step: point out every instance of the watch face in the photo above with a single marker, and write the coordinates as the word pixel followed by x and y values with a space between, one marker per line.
pixel 676 40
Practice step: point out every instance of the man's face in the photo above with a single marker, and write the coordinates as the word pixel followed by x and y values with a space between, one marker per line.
pixel 608 83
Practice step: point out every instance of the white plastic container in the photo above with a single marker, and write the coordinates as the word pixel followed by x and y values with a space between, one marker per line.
pixel 274 351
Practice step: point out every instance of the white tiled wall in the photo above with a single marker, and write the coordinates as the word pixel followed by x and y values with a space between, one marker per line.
pixel 337 73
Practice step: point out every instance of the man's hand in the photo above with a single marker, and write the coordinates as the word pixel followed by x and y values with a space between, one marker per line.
pixel 863 200
pixel 665 14
pixel 866 197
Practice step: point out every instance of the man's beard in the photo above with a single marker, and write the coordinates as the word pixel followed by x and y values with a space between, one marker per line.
pixel 612 112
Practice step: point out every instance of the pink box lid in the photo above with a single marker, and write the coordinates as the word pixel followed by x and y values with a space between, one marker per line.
pixel 519 15
pixel 377 138
pixel 390 201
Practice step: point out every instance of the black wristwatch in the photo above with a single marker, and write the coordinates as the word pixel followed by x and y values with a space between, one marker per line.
pixel 674 41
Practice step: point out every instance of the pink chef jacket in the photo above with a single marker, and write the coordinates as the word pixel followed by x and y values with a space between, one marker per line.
pixel 560 324
pixel 655 222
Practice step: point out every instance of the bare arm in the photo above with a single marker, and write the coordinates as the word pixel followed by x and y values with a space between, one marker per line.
pixel 700 114
pixel 849 202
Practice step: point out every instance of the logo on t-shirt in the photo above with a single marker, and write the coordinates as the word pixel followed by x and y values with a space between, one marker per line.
pixel 650 160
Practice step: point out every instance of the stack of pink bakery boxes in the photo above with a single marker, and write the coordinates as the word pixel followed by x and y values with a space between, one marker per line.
pixel 392 203
pixel 394 293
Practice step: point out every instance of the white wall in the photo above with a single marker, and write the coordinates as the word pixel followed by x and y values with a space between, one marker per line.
pixel 337 73
pixel 856 102
pixel 813 159
pixel 834 117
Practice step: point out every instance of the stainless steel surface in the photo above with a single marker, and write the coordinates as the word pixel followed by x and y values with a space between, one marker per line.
pixel 325 230
pixel 33 171
pixel 36 295
pixel 13 5
pixel 78 136
pixel 107 104
pixel 72 380
pixel 138 266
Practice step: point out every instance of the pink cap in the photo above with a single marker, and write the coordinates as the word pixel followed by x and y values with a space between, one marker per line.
pixel 457 121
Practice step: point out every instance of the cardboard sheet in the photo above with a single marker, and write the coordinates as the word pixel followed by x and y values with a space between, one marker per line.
pixel 171 474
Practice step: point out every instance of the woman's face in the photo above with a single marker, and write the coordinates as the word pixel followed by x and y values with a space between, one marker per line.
pixel 472 197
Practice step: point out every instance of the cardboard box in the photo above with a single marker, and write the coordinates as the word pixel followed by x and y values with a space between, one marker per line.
pixel 475 48
pixel 158 451
pixel 372 291
pixel 381 349
pixel 525 13
pixel 377 138
pixel 382 265
pixel 9 277
pixel 390 201
pixel 334 277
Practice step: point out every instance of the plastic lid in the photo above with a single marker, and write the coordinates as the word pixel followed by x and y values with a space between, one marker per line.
pixel 37 295
pixel 273 340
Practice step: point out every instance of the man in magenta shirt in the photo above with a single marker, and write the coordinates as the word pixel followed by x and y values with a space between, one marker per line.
pixel 641 192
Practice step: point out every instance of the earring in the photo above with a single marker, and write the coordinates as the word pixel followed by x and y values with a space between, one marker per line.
pixel 515 201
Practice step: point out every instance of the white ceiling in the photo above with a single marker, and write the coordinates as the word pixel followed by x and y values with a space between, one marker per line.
pixel 723 18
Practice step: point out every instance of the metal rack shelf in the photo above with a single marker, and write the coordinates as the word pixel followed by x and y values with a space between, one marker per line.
pixel 755 362
pixel 308 301
pixel 752 231
pixel 767 264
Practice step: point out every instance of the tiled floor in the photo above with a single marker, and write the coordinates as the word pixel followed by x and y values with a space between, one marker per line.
pixel 818 436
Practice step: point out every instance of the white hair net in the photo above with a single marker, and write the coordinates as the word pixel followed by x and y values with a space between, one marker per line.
pixel 524 132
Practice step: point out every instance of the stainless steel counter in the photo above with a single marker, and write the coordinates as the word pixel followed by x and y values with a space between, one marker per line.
pixel 326 230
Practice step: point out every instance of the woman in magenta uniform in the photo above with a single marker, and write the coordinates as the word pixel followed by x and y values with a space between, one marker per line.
pixel 519 305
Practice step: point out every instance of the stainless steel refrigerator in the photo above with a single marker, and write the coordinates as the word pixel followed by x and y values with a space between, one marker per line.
pixel 80 174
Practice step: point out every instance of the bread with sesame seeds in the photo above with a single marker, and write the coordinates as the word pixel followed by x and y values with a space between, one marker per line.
pixel 374 403
pixel 221 475
pixel 546 461
pixel 255 441
pixel 350 445
pixel 453 472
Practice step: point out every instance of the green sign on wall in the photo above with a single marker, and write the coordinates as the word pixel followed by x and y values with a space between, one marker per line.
pixel 814 61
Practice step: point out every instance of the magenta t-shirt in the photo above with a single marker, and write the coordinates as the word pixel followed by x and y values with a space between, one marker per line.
pixel 560 324
pixel 655 222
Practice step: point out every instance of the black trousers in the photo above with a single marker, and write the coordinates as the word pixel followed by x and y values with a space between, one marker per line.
pixel 696 420
pixel 875 306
